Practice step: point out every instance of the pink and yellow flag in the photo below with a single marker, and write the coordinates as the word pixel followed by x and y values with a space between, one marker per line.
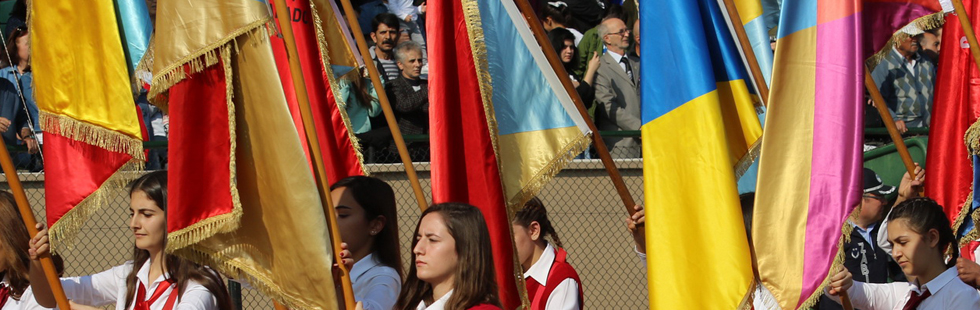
pixel 809 175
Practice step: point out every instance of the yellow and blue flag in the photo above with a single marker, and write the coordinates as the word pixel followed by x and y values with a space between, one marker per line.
pixel 699 122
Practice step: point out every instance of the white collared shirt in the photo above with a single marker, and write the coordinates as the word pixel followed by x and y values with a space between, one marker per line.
pixel 948 292
pixel 565 295
pixel 375 285
pixel 910 65
pixel 436 305
pixel 26 299
pixel 110 286
pixel 618 58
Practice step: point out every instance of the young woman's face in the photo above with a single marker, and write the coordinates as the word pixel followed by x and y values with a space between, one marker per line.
pixel 24 47
pixel 147 221
pixel 355 228
pixel 567 51
pixel 435 253
pixel 524 243
pixel 912 251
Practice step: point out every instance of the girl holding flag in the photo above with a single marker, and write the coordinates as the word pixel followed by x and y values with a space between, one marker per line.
pixel 368 223
pixel 920 235
pixel 153 280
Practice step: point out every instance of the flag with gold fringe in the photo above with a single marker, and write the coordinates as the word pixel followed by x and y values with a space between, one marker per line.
pixel 241 192
pixel 699 126
pixel 88 115
pixel 810 166
pixel 325 56
pixel 501 124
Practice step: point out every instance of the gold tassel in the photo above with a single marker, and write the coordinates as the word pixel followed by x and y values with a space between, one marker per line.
pixel 836 265
pixel 62 233
pixel 748 159
pixel 230 267
pixel 77 130
pixel 927 22
pixel 175 72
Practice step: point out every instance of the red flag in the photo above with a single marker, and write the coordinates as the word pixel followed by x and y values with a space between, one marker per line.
pixel 956 105
pixel 336 143
pixel 464 164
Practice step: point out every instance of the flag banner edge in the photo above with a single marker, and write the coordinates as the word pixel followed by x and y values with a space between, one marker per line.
pixel 81 131
pixel 175 72
pixel 332 80
pixel 227 222
pixel 930 21
pixel 474 29
pixel 838 263
pixel 63 232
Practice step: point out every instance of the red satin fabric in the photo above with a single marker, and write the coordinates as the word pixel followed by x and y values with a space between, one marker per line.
pixel 73 171
pixel 464 166
pixel 340 158
pixel 956 105
pixel 200 149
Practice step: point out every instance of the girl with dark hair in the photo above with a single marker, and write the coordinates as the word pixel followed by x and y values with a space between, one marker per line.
pixel 15 284
pixel 563 42
pixel 453 265
pixel 920 234
pixel 153 280
pixel 556 15
pixel 551 281
pixel 367 218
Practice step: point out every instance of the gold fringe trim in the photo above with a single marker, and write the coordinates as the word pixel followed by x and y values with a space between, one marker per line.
pixel 62 233
pixel 544 176
pixel 238 271
pixel 77 130
pixel 972 138
pixel 975 233
pixel 748 159
pixel 225 222
pixel 961 218
pixel 836 265
pixel 175 72
pixel 332 81
pixel 749 299
pixel 931 21
pixel 474 28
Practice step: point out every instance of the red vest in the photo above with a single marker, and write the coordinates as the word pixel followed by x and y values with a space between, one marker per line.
pixel 560 271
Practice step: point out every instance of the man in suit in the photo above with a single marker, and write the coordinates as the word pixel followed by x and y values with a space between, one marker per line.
pixel 617 89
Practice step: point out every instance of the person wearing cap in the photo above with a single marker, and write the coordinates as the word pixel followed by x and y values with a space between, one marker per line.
pixel 906 80
pixel 868 262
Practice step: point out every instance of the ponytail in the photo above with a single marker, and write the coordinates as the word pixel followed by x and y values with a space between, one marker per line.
pixel 534 211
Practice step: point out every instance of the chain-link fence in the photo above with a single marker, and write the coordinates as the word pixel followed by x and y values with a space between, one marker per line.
pixel 581 200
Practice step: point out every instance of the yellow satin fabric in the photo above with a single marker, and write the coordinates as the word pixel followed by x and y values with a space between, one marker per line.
pixel 78 65
pixel 528 160
pixel 192 28
pixel 696 241
pixel 787 148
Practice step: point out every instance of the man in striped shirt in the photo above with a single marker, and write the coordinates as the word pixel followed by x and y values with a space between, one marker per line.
pixel 384 32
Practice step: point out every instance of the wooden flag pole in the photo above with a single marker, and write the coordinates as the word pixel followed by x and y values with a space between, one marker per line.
pixel 886 116
pixel 309 127
pixel 396 133
pixel 845 300
pixel 50 273
pixel 600 146
pixel 746 48
pixel 967 26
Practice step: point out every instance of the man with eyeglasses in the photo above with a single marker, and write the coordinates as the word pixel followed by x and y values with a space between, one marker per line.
pixel 617 89
pixel 867 261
